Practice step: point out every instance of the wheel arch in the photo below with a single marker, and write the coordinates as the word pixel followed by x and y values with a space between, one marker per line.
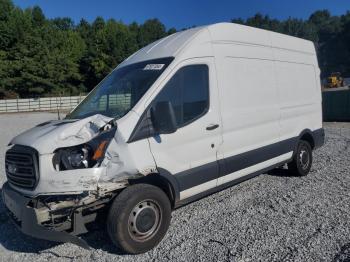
pixel 165 181
pixel 307 135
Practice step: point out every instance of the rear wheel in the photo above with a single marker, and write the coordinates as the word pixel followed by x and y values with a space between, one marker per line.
pixel 302 160
pixel 139 218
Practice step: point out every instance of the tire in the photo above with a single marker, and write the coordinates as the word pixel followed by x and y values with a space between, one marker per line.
pixel 139 218
pixel 302 159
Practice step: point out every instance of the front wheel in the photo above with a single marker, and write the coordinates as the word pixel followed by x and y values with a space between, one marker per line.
pixel 302 160
pixel 139 218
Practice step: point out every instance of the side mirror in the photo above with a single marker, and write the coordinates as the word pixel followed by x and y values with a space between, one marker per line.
pixel 163 118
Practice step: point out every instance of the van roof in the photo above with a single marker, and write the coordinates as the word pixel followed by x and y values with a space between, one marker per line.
pixel 173 44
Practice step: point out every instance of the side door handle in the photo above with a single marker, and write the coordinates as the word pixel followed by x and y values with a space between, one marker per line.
pixel 212 127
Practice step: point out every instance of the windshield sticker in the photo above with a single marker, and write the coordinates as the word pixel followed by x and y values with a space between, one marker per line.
pixel 154 67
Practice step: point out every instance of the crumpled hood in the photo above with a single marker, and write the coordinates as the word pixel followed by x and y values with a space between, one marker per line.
pixel 48 136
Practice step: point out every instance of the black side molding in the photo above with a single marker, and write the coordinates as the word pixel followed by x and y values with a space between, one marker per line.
pixel 224 186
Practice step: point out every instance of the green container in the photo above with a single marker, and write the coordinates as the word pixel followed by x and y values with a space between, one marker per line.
pixel 336 105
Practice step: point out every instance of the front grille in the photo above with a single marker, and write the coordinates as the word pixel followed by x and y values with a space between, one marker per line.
pixel 22 166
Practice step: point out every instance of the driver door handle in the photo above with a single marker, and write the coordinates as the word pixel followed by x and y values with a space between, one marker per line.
pixel 212 127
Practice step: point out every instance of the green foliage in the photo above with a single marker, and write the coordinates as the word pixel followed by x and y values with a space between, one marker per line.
pixel 150 31
pixel 36 57
pixel 40 56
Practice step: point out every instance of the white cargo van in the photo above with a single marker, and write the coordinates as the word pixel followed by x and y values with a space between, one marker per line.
pixel 186 116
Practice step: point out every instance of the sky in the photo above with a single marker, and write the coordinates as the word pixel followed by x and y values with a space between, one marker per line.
pixel 183 13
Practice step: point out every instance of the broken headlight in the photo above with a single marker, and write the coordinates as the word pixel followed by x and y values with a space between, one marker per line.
pixel 83 156
pixel 86 155
pixel 76 158
pixel 72 158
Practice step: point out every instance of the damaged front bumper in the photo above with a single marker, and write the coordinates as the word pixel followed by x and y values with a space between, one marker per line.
pixel 58 220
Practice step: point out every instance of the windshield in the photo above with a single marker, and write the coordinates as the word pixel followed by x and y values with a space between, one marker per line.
pixel 117 94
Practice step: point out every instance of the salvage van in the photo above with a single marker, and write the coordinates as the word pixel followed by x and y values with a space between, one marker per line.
pixel 185 116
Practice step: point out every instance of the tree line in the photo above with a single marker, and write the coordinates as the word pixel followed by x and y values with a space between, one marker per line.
pixel 41 56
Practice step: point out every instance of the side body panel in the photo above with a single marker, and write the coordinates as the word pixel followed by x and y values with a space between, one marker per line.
pixel 298 81
pixel 249 107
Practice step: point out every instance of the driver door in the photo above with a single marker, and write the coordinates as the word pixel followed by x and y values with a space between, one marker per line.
pixel 190 153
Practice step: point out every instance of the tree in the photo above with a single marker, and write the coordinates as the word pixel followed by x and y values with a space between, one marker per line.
pixel 64 23
pixel 38 16
pixel 6 6
pixel 150 31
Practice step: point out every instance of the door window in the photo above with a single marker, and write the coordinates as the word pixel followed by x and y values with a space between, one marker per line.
pixel 188 92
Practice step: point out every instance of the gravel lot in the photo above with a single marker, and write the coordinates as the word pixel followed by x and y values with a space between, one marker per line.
pixel 273 217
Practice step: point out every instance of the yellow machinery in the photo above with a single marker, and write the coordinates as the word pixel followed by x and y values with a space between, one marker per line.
pixel 335 80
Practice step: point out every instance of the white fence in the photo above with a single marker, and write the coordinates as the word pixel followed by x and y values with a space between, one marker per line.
pixel 39 104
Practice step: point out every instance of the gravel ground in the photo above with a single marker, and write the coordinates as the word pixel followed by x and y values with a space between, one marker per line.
pixel 273 217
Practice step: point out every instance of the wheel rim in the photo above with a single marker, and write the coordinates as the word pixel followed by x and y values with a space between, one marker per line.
pixel 304 159
pixel 144 220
